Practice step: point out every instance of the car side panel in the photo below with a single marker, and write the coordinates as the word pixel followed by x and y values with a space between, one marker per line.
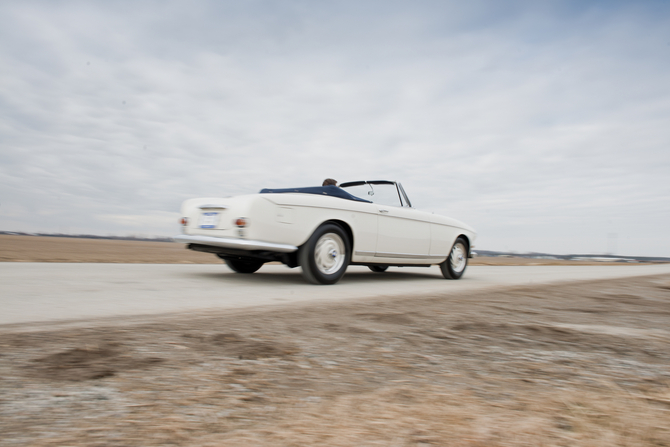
pixel 444 231
pixel 442 238
pixel 306 219
pixel 402 233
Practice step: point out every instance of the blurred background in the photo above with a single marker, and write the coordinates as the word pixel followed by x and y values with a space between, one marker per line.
pixel 542 124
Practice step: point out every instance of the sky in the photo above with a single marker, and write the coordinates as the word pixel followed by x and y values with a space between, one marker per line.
pixel 545 125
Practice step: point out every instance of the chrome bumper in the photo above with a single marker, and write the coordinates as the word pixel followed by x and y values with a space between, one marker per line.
pixel 240 244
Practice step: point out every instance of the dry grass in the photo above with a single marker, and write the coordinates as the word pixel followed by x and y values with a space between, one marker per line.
pixel 397 416
pixel 65 249
pixel 583 364
pixel 409 416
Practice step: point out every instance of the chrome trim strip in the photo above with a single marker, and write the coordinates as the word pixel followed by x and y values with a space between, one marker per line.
pixel 240 244
pixel 375 212
pixel 213 207
pixel 408 256
pixel 397 191
pixel 393 216
pixel 409 204
pixel 365 253
pixel 399 255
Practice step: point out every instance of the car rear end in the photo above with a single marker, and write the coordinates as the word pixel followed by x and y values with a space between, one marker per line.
pixel 242 226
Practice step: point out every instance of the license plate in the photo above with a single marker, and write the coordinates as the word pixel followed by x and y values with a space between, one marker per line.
pixel 209 220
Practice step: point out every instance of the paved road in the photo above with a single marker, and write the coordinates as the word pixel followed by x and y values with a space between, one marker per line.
pixel 47 292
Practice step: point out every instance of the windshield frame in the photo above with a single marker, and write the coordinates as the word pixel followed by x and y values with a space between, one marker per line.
pixel 402 196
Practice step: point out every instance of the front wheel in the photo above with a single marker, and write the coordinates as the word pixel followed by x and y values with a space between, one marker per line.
pixel 243 265
pixel 378 268
pixel 454 266
pixel 325 256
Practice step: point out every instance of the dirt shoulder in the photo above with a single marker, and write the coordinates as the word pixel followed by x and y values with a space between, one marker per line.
pixel 574 364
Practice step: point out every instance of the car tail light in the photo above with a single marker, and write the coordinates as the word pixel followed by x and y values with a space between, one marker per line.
pixel 241 222
pixel 183 221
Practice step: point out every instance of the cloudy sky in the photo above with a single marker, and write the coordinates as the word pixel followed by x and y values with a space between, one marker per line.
pixel 545 125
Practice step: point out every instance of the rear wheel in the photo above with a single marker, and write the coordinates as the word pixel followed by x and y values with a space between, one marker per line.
pixel 243 265
pixel 454 266
pixel 378 268
pixel 325 256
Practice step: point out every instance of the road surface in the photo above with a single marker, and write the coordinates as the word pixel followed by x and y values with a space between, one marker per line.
pixel 49 292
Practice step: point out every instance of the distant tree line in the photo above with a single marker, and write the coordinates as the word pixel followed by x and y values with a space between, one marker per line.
pixel 92 236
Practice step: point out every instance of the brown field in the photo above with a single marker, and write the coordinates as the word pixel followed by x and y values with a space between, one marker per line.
pixel 63 249
pixel 581 364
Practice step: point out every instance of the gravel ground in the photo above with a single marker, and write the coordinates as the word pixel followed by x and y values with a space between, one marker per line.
pixel 584 363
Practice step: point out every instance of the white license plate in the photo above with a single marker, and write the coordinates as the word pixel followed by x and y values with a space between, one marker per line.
pixel 209 220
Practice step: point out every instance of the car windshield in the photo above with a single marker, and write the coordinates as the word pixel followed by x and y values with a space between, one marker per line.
pixel 381 194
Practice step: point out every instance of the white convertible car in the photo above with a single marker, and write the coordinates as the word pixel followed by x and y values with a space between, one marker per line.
pixel 325 229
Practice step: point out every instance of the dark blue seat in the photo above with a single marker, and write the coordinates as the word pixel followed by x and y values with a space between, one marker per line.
pixel 330 190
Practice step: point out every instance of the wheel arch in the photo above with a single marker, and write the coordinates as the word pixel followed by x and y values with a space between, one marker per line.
pixel 314 261
pixel 346 227
pixel 467 241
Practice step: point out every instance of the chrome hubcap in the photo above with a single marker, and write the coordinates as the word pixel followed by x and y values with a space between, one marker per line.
pixel 329 253
pixel 458 258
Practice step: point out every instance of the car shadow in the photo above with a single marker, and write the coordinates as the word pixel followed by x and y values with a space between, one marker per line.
pixel 253 278
pixel 294 276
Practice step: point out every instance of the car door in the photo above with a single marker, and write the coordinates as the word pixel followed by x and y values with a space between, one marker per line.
pixel 401 231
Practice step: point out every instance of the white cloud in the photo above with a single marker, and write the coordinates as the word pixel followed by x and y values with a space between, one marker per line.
pixel 542 126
